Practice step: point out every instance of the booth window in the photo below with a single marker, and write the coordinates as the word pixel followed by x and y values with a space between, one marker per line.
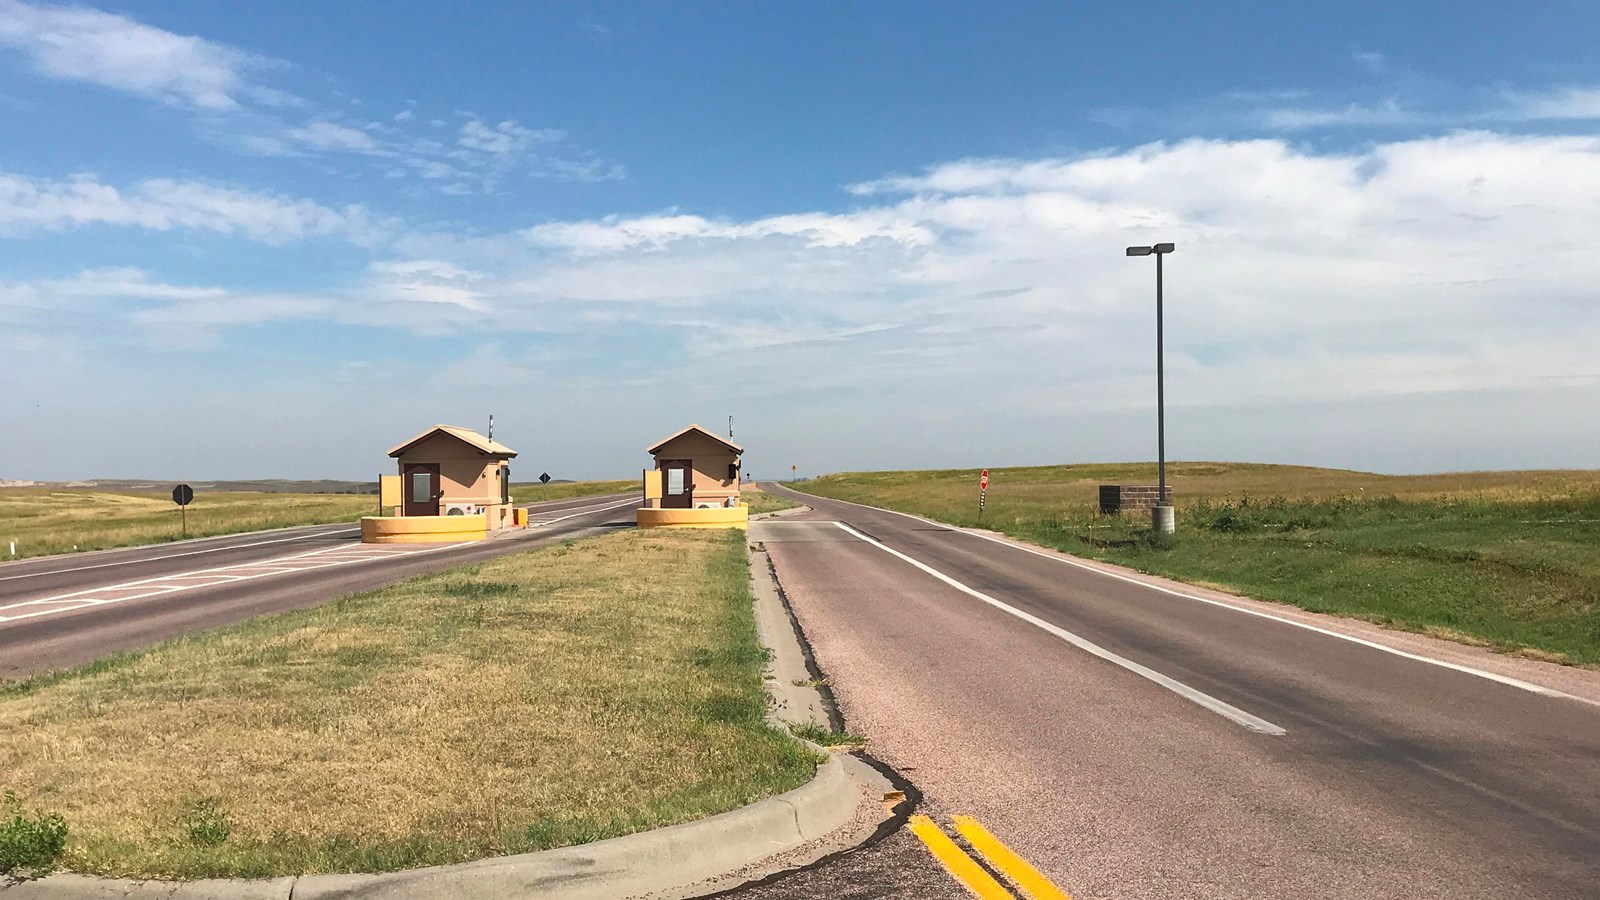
pixel 505 484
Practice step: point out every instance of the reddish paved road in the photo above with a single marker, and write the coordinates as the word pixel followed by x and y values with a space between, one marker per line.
pixel 1393 777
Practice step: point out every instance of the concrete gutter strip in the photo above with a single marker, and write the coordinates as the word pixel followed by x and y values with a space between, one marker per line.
pixel 794 697
pixel 654 862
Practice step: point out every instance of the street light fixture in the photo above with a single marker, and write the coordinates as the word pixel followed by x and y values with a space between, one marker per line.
pixel 1161 518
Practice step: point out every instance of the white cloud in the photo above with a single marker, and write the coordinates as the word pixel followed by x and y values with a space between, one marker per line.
pixel 82 44
pixel 1556 104
pixel 227 89
pixel 325 135
pixel 982 294
pixel 507 139
pixel 1444 264
pixel 30 205
pixel 1372 62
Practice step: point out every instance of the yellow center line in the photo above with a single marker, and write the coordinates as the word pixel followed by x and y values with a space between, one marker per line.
pixel 957 863
pixel 1020 871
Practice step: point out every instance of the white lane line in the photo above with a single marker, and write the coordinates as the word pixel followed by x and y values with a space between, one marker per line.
pixel 155 586
pixel 1469 670
pixel 1222 604
pixel 133 562
pixel 1226 710
pixel 629 502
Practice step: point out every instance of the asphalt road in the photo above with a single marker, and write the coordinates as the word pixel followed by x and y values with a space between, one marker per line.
pixel 1130 742
pixel 62 611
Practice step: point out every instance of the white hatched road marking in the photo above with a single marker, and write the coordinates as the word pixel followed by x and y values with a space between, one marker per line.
pixel 581 512
pixel 185 581
pixel 338 529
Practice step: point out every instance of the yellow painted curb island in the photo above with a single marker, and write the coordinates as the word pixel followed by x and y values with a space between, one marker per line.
pixel 423 529
pixel 716 517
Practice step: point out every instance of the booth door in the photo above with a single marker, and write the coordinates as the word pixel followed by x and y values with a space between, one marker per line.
pixel 422 489
pixel 677 484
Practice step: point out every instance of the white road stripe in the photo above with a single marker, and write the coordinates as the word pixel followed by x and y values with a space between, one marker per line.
pixel 1221 604
pixel 1226 710
pixel 133 562
pixel 583 512
pixel 314 559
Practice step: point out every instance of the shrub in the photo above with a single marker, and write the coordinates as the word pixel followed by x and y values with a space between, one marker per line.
pixel 29 846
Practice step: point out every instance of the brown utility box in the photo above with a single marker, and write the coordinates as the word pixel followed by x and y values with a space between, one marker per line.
pixel 1116 499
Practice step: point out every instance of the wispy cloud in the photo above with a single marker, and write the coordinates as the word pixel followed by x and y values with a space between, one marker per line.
pixel 160 204
pixel 233 98
pixel 1553 104
pixel 81 44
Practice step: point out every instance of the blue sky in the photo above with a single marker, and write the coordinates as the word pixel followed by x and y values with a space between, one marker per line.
pixel 275 239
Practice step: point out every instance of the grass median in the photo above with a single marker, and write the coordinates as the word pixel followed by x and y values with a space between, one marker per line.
pixel 1506 560
pixel 552 697
pixel 760 501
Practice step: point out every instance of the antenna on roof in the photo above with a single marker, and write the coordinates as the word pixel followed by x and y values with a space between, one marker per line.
pixel 491 426
pixel 730 428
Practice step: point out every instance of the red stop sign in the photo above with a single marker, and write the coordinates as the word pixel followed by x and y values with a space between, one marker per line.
pixel 983 483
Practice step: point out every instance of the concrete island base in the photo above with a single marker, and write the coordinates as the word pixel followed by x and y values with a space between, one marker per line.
pixel 423 529
pixel 713 517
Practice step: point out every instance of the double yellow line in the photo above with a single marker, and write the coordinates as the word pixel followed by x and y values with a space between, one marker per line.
pixel 1028 880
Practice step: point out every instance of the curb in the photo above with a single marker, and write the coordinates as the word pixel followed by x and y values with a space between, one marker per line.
pixel 652 860
pixel 658 861
pixel 779 513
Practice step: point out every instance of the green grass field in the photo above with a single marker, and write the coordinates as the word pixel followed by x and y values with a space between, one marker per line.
pixel 1508 560
pixel 536 492
pixel 551 697
pixel 43 521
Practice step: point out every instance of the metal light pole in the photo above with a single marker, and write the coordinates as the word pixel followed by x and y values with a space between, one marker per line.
pixel 1161 518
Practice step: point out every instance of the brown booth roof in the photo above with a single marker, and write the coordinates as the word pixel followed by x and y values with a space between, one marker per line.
pixel 464 435
pixel 710 434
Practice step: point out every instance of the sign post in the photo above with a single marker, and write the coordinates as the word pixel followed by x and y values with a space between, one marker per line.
pixel 983 492
pixel 183 495
pixel 794 473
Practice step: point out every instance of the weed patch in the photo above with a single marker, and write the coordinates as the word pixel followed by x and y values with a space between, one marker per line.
pixel 30 844
pixel 823 736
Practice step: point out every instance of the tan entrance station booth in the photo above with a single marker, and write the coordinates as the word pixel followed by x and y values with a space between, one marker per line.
pixel 455 485
pixel 695 482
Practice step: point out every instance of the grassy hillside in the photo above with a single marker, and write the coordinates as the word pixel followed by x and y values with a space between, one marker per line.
pixel 1510 560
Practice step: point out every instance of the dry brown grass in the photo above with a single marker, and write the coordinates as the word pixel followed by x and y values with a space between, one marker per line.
pixel 763 502
pixel 55 520
pixel 545 698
